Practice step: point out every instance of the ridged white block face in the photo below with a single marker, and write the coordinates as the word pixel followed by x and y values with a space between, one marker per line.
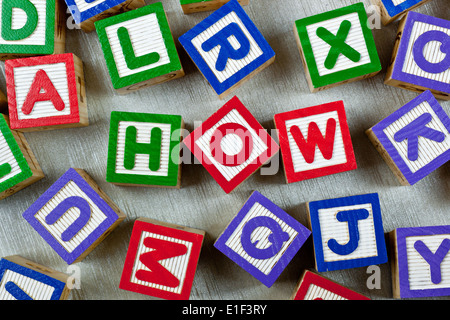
pixel 6 156
pixel 397 2
pixel 84 5
pixel 34 289
pixel 318 293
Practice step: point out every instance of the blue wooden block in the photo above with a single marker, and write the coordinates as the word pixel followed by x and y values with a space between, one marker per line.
pixel 347 232
pixel 391 10
pixel 227 48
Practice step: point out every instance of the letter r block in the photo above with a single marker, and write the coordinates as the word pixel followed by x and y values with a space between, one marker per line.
pixel 347 232
pixel 74 215
pixel 161 259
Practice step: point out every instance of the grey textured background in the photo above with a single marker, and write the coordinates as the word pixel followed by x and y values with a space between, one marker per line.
pixel 201 203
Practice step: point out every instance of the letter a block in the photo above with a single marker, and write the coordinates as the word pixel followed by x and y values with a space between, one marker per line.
pixel 46 93
pixel 191 6
pixel 139 49
pixel 74 215
pixel 420 263
pixel 315 141
pixel 347 232
pixel 161 259
pixel 391 10
pixel 421 55
pixel 337 47
pixel 31 27
pixel 231 145
pixel 227 48
pixel 414 140
pixel 144 149
pixel 22 279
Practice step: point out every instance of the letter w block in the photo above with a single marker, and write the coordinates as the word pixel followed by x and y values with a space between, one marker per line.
pixel 315 141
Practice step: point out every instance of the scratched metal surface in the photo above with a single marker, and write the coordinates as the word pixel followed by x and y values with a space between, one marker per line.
pixel 201 203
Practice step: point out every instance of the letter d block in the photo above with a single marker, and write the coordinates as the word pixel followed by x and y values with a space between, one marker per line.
pixel 74 215
pixel 161 259
pixel 227 48
pixel 262 239
pixel 139 49
pixel 347 232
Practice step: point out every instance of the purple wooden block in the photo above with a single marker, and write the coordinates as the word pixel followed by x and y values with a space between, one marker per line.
pixel 71 192
pixel 426 275
pixel 266 252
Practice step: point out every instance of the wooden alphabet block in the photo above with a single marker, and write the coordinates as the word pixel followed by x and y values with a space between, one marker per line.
pixel 46 93
pixel 144 149
pixel 420 261
pixel 315 141
pixel 3 103
pixel 313 286
pixel 414 140
pixel 31 27
pixel 161 259
pixel 264 253
pixel 337 47
pixel 86 12
pixel 74 215
pixel 192 6
pixel 139 48
pixel 18 165
pixel 22 279
pixel 227 48
pixel 391 10
pixel 421 56
pixel 347 232
pixel 231 144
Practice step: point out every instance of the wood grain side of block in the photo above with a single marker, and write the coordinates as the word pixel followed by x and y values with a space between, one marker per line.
pixel 202 6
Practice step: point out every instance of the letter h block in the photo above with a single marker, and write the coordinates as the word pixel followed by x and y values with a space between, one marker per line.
pixel 262 239
pixel 227 48
pixel 347 232
pixel 414 140
pixel 139 49
pixel 315 141
pixel 74 215
pixel 391 10
pixel 161 259
pixel 420 262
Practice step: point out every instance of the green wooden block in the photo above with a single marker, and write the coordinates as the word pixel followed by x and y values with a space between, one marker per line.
pixel 139 48
pixel 144 149
pixel 337 47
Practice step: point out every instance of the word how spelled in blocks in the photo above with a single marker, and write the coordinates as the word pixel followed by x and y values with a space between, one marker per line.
pixel 421 55
pixel 313 286
pixel 347 232
pixel 191 6
pixel 161 259
pixel 262 239
pixel 144 149
pixel 315 141
pixel 420 261
pixel 46 92
pixel 86 12
pixel 31 27
pixel 227 48
pixel 231 144
pixel 22 279
pixel 74 215
pixel 414 140
pixel 391 10
pixel 337 47
pixel 139 49
pixel 18 165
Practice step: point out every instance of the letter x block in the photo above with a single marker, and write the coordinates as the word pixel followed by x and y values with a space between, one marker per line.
pixel 313 286
pixel 161 259
pixel 391 10
pixel 139 49
pixel 420 261
pixel 337 47
pixel 347 232
pixel 231 144
pixel 22 279
pixel 191 6
pixel 315 141
pixel 144 149
pixel 74 215
pixel 46 93
pixel 31 27
pixel 227 48
pixel 414 140
pixel 262 239
pixel 421 55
